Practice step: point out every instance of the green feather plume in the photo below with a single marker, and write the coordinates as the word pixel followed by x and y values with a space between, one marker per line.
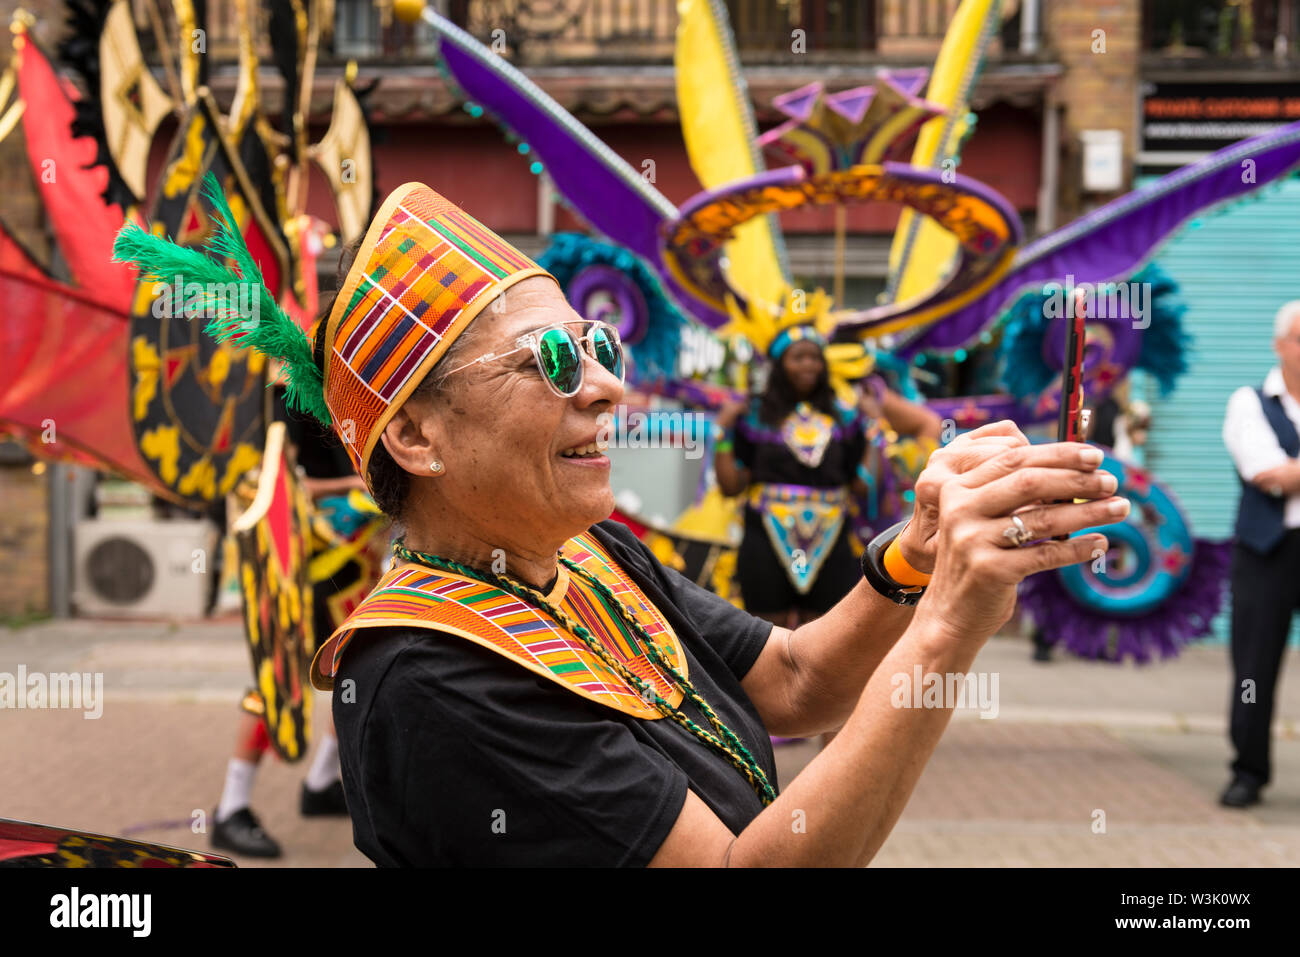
pixel 264 327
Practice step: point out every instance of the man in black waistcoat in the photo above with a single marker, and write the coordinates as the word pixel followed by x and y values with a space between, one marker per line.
pixel 1262 433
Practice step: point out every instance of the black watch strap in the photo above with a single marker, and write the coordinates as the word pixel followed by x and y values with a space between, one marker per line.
pixel 873 569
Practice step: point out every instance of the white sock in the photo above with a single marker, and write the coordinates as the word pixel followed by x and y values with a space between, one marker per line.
pixel 238 791
pixel 325 766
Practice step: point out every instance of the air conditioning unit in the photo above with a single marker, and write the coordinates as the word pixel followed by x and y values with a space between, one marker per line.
pixel 143 568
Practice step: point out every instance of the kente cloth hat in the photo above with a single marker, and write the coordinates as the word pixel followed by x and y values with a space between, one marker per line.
pixel 424 271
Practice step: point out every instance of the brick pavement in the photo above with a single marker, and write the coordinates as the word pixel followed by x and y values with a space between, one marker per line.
pixel 159 752
pixel 144 769
pixel 1005 794
pixel 1146 746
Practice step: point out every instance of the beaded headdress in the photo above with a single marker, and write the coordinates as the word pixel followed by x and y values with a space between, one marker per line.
pixel 771 328
pixel 801 317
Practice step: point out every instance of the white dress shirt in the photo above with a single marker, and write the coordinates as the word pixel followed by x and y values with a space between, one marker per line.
pixel 1250 439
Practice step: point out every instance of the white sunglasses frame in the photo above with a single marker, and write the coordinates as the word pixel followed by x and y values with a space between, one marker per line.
pixel 530 340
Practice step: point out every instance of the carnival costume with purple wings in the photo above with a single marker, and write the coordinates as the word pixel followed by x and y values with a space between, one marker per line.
pixel 838 154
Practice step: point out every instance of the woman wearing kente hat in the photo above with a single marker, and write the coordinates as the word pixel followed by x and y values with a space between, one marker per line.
pixel 528 685
pixel 798 452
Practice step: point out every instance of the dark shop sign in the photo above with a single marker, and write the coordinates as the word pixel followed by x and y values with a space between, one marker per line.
pixel 1207 116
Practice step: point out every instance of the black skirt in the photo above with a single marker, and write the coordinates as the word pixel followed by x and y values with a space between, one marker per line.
pixel 766 589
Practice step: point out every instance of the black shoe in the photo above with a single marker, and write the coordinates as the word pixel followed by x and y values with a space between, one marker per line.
pixel 1240 793
pixel 329 802
pixel 242 834
pixel 1042 652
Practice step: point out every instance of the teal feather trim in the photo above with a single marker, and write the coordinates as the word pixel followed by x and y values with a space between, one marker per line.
pixel 242 311
pixel 897 374
pixel 1023 370
pixel 1166 344
pixel 1162 352
pixel 655 352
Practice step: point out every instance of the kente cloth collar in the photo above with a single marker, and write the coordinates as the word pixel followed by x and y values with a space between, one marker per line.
pixel 424 271
pixel 418 597
pixel 792 334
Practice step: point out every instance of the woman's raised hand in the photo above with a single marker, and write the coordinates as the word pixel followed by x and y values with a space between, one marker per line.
pixel 730 414
pixel 977 560
pixel 920 539
pixel 869 405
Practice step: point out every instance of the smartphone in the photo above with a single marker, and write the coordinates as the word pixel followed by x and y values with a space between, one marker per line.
pixel 1070 425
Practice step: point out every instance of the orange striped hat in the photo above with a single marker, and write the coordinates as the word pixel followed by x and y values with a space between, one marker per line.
pixel 422 274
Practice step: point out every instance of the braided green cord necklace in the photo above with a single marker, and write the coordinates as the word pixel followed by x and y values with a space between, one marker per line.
pixel 724 741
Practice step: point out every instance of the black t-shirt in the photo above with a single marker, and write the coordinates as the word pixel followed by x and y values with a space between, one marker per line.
pixel 760 448
pixel 453 755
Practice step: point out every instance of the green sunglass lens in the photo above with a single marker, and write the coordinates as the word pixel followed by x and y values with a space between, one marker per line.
pixel 560 361
pixel 607 351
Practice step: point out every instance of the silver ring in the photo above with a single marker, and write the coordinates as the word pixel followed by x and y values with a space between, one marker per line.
pixel 1016 533
pixel 1275 491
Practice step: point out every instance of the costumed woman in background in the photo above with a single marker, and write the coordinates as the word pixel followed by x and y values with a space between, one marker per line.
pixel 798 451
pixel 529 684
pixel 335 488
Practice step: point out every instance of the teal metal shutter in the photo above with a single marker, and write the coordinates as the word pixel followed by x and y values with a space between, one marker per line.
pixel 1235 268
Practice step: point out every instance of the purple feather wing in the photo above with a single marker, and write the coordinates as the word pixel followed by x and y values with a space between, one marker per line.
pixel 598 183
pixel 1113 242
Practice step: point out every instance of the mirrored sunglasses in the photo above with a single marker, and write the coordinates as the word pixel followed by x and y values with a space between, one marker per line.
pixel 558 352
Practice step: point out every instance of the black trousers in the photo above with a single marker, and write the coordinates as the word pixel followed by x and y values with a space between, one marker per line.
pixel 1265 592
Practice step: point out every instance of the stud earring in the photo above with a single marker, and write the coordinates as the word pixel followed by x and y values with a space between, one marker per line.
pixel 435 466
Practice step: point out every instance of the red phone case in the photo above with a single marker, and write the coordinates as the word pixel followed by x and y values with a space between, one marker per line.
pixel 1070 423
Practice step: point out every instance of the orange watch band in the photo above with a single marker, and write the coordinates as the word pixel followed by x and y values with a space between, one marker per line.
pixel 899 570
